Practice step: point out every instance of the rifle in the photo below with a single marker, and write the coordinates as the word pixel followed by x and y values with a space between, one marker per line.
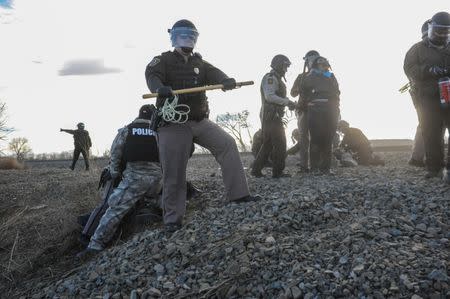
pixel 106 186
pixel 198 89
pixel 405 87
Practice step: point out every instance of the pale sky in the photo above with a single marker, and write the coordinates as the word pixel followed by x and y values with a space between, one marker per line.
pixel 64 61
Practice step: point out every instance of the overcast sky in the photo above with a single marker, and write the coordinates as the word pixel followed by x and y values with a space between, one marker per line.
pixel 64 61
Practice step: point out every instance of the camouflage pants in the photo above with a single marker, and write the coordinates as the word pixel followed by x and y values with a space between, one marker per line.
pixel 139 178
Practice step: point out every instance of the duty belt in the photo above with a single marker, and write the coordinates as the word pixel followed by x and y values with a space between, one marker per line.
pixel 317 101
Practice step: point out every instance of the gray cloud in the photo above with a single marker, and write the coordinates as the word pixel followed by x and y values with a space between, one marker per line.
pixel 83 67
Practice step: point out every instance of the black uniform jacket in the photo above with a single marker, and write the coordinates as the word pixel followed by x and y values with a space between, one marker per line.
pixel 171 69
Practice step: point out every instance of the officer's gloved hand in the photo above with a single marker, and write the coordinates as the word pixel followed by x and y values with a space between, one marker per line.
pixel 60 130
pixel 228 84
pixel 292 105
pixel 164 92
pixel 104 177
pixel 438 71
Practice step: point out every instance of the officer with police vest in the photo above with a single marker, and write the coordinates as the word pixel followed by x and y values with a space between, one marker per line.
pixel 179 69
pixel 134 148
pixel 273 102
pixel 425 64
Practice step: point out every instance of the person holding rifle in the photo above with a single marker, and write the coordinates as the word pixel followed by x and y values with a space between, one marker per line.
pixel 181 69
pixel 426 64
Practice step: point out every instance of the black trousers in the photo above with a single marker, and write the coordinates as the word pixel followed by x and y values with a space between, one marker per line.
pixel 322 125
pixel 76 155
pixel 433 121
pixel 273 146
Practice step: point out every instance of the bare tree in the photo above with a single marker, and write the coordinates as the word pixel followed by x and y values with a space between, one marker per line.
pixel 106 154
pixel 237 125
pixel 20 147
pixel 4 129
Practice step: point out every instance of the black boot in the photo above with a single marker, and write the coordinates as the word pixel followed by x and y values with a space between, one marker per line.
pixel 87 254
pixel 446 177
pixel 170 228
pixel 257 174
pixel 281 175
pixel 248 198
pixel 432 174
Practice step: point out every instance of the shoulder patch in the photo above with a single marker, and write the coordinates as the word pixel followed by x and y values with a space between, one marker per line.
pixel 154 62
pixel 270 80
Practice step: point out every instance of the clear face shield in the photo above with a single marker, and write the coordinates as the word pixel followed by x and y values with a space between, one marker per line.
pixel 439 34
pixel 309 60
pixel 183 37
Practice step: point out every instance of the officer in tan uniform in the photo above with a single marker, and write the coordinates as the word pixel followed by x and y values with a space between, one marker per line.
pixel 273 103
pixel 178 69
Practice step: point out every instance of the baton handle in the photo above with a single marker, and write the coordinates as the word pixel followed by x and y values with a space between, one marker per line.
pixel 198 89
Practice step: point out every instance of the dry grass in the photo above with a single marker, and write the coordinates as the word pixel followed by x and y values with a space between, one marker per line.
pixel 10 163
pixel 38 210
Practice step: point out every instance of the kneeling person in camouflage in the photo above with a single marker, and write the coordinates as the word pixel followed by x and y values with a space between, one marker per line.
pixel 136 149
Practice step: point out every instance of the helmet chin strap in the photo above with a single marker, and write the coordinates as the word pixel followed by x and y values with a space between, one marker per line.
pixel 434 45
pixel 187 50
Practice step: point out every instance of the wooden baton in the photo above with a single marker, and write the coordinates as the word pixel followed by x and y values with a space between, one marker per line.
pixel 198 89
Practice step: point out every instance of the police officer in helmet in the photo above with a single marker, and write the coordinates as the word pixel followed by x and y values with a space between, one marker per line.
pixel 425 64
pixel 273 102
pixel 319 94
pixel 418 150
pixel 179 69
pixel 134 157
pixel 302 115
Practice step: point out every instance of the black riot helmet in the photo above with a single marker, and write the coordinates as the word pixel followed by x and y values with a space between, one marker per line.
pixel 343 126
pixel 80 126
pixel 439 29
pixel 183 35
pixel 280 63
pixel 425 29
pixel 309 58
pixel 147 111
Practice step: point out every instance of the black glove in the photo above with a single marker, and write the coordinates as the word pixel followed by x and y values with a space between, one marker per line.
pixel 104 177
pixel 438 71
pixel 292 105
pixel 228 84
pixel 60 130
pixel 164 92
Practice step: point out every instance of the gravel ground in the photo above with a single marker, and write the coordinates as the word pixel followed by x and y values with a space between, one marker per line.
pixel 380 232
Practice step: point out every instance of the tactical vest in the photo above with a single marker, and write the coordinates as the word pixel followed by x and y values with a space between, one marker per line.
pixel 426 57
pixel 274 111
pixel 180 74
pixel 321 87
pixel 140 144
